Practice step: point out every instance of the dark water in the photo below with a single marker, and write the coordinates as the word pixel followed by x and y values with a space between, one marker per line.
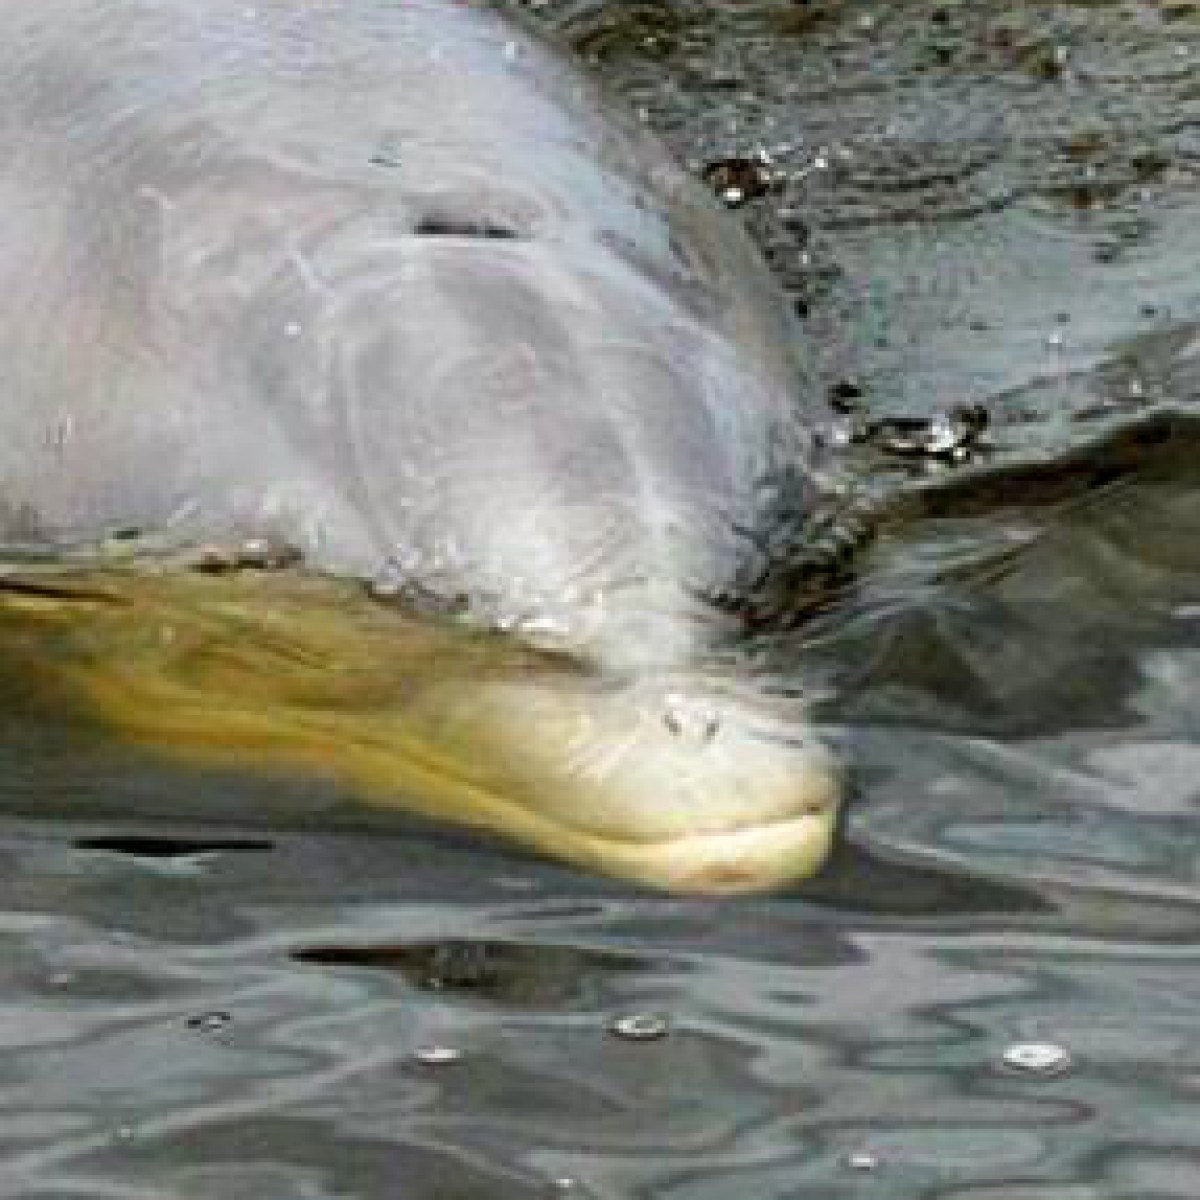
pixel 974 203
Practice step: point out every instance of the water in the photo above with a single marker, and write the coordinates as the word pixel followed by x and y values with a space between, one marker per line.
pixel 992 991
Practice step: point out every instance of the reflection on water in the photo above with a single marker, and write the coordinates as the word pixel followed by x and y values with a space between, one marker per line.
pixel 1005 215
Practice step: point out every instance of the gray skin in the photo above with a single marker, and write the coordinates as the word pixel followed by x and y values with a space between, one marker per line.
pixel 390 282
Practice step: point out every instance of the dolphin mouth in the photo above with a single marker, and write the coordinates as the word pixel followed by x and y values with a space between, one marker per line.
pixel 734 862
pixel 741 860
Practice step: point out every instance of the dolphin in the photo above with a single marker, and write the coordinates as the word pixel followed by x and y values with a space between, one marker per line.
pixel 392 284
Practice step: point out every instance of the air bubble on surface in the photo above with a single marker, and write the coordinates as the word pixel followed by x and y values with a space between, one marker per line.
pixel 1044 1059
pixel 209 1022
pixel 862 1160
pixel 641 1027
pixel 437 1056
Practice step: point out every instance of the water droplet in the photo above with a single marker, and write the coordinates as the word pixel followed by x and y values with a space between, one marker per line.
pixel 209 1022
pixel 944 434
pixel 1055 341
pixel 62 432
pixel 842 432
pixel 641 1027
pixel 436 1056
pixel 736 180
pixel 1037 1058
pixel 292 329
pixel 265 554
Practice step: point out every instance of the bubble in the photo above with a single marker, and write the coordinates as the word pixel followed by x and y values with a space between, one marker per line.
pixel 641 1027
pixel 944 434
pixel 736 180
pixel 842 432
pixel 1044 1059
pixel 209 1022
pixel 436 1056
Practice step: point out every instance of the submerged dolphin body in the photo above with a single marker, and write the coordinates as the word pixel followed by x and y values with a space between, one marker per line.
pixel 385 280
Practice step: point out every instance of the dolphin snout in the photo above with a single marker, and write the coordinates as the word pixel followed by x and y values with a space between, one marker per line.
pixel 675 781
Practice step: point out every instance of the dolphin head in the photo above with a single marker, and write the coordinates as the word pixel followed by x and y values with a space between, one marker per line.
pixel 581 457
pixel 512 360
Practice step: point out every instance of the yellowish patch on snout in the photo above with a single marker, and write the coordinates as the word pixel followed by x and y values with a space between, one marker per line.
pixel 683 782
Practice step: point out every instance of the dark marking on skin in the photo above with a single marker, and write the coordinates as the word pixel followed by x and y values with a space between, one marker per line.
pixel 168 847
pixel 254 554
pixel 20 523
pixel 28 589
pixel 483 228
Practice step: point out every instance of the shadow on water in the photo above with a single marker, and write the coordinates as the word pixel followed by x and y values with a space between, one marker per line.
pixel 992 991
